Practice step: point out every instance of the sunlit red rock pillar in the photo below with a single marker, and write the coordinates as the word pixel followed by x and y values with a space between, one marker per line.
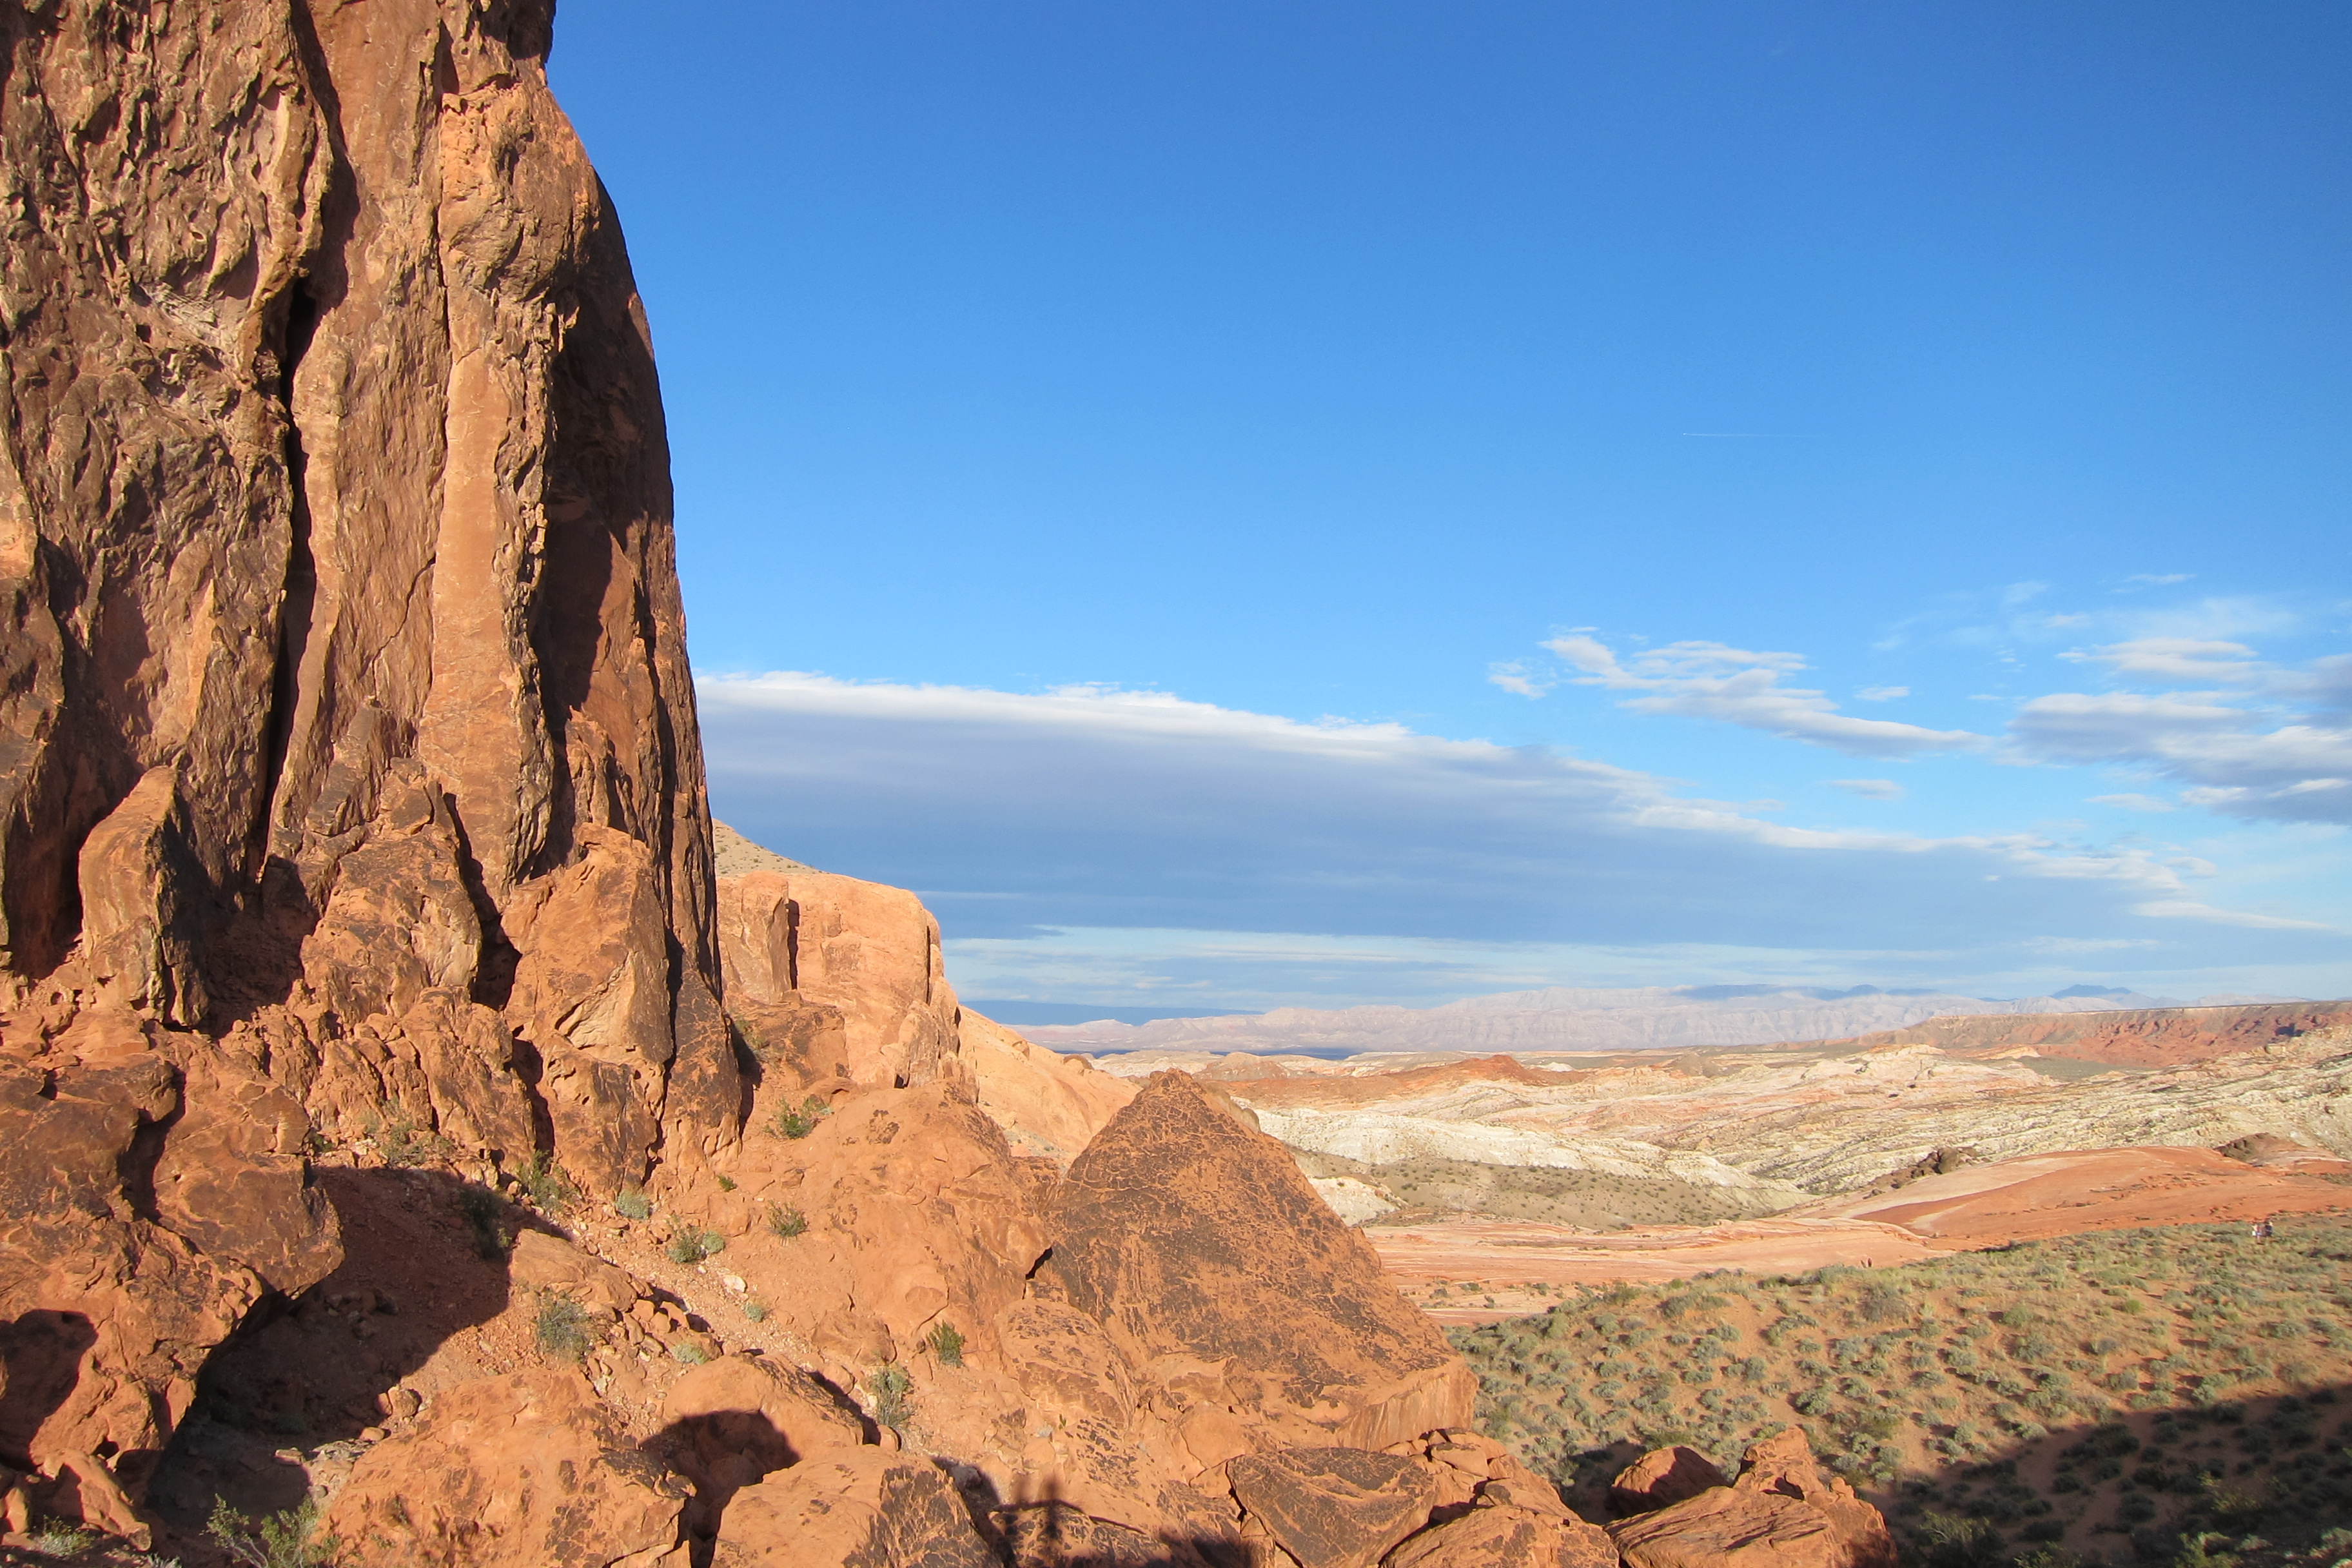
pixel 343 692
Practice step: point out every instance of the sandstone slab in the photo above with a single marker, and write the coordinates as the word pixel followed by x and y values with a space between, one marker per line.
pixel 511 1473
pixel 1191 1237
pixel 1333 1508
pixel 865 1508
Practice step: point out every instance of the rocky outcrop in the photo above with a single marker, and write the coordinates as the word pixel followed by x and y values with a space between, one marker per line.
pixel 511 1473
pixel 1048 1105
pixel 868 1508
pixel 1197 1244
pixel 1660 1478
pixel 1333 1508
pixel 1783 1510
pixel 799 939
pixel 126 1255
pixel 347 737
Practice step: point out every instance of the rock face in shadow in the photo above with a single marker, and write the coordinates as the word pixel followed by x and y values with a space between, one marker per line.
pixel 1206 1256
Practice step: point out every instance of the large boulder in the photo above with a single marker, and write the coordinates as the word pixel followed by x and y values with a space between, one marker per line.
pixel 1783 1510
pixel 1500 1536
pixel 730 1422
pixel 1333 1508
pixel 865 1508
pixel 511 1473
pixel 1661 1478
pixel 1723 1528
pixel 1206 1256
pixel 1783 1466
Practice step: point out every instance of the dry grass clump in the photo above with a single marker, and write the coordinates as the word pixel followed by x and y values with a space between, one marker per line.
pixel 2114 1397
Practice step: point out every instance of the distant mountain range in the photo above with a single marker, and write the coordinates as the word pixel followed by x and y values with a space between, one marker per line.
pixel 1567 1018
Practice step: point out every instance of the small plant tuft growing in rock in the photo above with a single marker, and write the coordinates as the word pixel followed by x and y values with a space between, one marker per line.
pixel 631 1203
pixel 561 1328
pixel 545 1185
pixel 290 1540
pixel 798 1121
pixel 786 1221
pixel 692 1244
pixel 890 1385
pixel 946 1343
pixel 485 1216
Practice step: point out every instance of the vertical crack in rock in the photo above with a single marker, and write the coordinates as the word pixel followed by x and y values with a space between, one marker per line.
pixel 300 595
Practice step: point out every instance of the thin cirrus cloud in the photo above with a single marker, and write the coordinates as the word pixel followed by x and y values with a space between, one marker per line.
pixel 1020 814
pixel 1731 686
pixel 1869 789
pixel 2134 802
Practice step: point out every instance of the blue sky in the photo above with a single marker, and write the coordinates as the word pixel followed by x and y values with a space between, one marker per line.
pixel 1244 504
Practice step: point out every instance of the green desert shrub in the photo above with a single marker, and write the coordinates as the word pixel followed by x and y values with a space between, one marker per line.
pixel 561 1328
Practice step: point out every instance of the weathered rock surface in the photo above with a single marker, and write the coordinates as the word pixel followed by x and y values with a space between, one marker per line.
pixel 730 1422
pixel 872 953
pixel 125 1258
pixel 1505 1537
pixel 1783 1509
pixel 511 1473
pixel 1661 1477
pixel 1196 1243
pixel 867 1508
pixel 1048 1105
pixel 1333 1508
pixel 347 727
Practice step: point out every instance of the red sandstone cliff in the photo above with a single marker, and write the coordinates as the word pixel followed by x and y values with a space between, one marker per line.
pixel 349 775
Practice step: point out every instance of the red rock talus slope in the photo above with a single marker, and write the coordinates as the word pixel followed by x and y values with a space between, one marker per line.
pixel 2147 1038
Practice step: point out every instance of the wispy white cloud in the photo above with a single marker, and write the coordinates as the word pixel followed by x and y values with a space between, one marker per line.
pixel 2274 749
pixel 1869 789
pixel 2139 580
pixel 1736 686
pixel 2160 660
pixel 1883 693
pixel 2129 802
pixel 1514 677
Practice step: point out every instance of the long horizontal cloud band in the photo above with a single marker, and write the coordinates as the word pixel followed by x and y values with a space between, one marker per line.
pixel 1089 807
